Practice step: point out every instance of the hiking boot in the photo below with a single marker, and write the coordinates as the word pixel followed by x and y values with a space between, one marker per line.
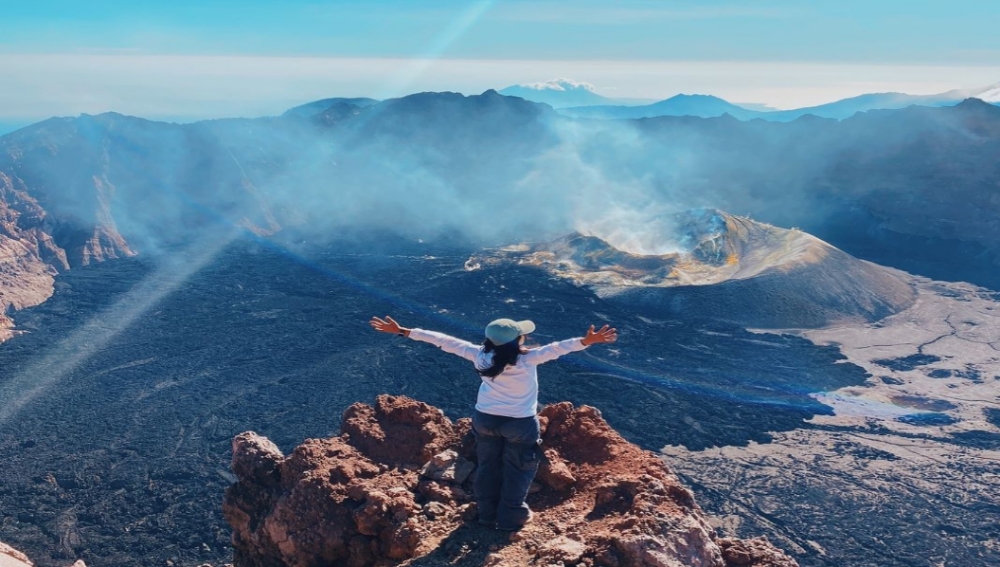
pixel 487 523
pixel 516 528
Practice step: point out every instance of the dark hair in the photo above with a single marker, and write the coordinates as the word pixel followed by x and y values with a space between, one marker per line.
pixel 503 356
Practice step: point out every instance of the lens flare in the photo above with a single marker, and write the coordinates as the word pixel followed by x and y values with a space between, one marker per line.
pixel 89 339
pixel 449 35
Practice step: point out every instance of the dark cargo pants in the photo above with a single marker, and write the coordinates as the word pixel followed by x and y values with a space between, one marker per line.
pixel 508 452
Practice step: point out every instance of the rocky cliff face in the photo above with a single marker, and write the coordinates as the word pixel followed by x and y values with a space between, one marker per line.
pixel 35 244
pixel 29 259
pixel 395 489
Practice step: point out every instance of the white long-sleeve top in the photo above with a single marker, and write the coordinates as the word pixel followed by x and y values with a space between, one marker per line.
pixel 513 392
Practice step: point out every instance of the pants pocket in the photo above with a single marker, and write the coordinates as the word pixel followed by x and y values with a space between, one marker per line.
pixel 522 430
pixel 481 425
pixel 527 456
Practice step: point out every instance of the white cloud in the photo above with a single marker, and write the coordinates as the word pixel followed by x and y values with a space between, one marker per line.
pixel 560 85
pixel 191 87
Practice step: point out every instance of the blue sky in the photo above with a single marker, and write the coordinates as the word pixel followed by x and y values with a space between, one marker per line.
pixel 191 59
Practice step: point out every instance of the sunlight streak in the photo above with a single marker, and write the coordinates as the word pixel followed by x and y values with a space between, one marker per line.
pixel 86 341
pixel 400 85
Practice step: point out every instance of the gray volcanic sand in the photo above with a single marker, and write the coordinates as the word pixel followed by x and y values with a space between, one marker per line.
pixel 907 470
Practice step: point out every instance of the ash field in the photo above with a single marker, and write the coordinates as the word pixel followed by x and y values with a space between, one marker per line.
pixel 123 460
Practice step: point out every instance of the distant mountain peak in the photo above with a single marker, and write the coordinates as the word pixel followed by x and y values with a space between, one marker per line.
pixel 489 96
pixel 560 85
pixel 978 106
pixel 973 102
pixel 685 96
pixel 990 94
pixel 699 105
pixel 558 93
pixel 319 106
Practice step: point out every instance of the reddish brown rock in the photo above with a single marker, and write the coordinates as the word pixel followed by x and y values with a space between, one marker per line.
pixel 448 466
pixel 398 430
pixel 256 457
pixel 385 493
pixel 12 557
pixel 554 472
pixel 26 278
pixel 757 552
pixel 29 255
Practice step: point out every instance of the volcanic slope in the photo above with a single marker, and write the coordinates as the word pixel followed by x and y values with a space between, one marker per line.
pixel 728 268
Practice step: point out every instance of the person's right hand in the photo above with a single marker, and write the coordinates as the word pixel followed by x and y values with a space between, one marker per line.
pixel 607 334
pixel 387 325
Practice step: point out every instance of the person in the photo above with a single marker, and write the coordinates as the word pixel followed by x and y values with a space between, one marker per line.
pixel 505 420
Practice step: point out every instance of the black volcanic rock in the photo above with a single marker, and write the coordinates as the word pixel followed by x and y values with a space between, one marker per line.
pixel 276 341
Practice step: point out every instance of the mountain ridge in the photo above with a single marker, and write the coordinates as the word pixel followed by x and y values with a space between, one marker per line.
pixel 712 106
pixel 311 109
pixel 702 106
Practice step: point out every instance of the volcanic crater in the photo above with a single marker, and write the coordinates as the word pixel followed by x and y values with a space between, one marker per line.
pixel 727 268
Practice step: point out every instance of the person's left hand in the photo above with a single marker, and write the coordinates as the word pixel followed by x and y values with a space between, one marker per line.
pixel 607 334
pixel 387 325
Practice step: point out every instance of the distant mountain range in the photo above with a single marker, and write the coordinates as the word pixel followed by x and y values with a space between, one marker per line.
pixel 580 101
pixel 913 188
pixel 886 101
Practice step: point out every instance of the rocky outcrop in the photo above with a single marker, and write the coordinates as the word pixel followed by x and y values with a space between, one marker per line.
pixel 395 489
